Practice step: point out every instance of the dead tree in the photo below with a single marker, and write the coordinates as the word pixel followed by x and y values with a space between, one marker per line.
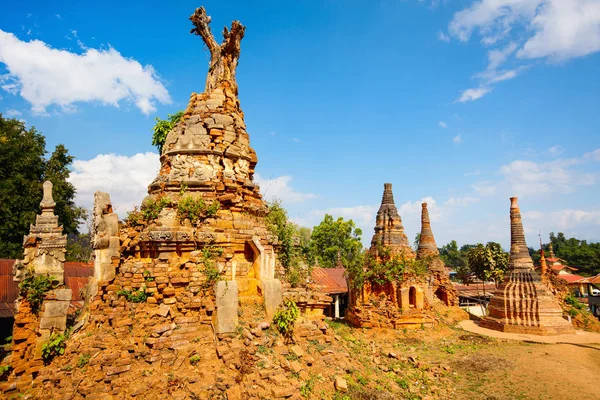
pixel 223 58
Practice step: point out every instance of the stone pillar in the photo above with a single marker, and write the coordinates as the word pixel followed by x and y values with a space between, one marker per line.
pixel 105 237
pixel 270 287
pixel 337 306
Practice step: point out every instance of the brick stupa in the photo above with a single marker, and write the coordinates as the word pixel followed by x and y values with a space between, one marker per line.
pixel 401 303
pixel 523 303
pixel 389 231
pixel 428 251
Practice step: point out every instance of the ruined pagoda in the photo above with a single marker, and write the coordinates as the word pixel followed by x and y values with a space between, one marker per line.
pixel 523 303
pixel 428 251
pixel 389 231
pixel 208 151
pixel 399 303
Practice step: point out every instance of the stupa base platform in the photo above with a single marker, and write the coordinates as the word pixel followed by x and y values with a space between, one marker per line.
pixel 559 327
pixel 575 337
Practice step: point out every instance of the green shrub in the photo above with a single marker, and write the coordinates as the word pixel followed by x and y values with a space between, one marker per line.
pixel 4 370
pixel 196 209
pixel 210 270
pixel 137 296
pixel 285 318
pixel 134 217
pixel 151 208
pixel 162 129
pixel 148 276
pixel 83 360
pixel 34 288
pixel 308 387
pixel 55 346
pixel 195 359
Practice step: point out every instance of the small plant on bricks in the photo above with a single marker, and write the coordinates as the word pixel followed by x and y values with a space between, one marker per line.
pixel 285 318
pixel 34 288
pixel 55 346
pixel 138 296
pixel 195 359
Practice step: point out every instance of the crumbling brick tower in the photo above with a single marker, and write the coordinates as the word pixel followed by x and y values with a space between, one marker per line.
pixel 428 251
pixel 395 304
pixel 522 303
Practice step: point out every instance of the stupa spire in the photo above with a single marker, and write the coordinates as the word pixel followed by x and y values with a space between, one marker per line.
pixel 519 253
pixel 551 250
pixel 388 224
pixel 427 246
pixel 543 265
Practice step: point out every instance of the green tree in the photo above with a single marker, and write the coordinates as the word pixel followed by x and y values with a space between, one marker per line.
pixel 488 262
pixel 336 237
pixel 63 191
pixel 292 244
pixel 162 129
pixel 452 256
pixel 417 241
pixel 23 169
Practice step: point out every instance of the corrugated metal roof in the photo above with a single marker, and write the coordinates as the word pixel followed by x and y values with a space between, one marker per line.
pixel 475 289
pixel 570 278
pixel 331 280
pixel 76 277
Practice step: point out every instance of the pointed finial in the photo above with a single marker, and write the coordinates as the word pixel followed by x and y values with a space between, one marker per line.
pixel 47 204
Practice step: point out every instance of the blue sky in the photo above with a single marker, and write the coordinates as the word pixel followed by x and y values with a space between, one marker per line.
pixel 461 103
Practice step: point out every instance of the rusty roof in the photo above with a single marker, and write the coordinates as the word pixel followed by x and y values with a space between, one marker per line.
pixel 474 289
pixel 76 277
pixel 331 280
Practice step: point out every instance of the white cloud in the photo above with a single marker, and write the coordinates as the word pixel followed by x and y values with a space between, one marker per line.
pixel 443 37
pixel 45 76
pixel 13 113
pixel 363 215
pixel 412 209
pixel 473 173
pixel 457 139
pixel 279 188
pixel 558 176
pixel 473 94
pixel 442 124
pixel 556 30
pixel 296 140
pixel 564 29
pixel 569 218
pixel 125 178
pixel 461 201
pixel 484 188
pixel 556 150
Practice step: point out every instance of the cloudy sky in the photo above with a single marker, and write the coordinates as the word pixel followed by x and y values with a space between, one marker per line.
pixel 460 103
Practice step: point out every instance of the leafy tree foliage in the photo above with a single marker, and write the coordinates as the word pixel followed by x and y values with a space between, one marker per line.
pixel 576 253
pixel 162 128
pixel 23 169
pixel 331 238
pixel 488 262
pixel 292 242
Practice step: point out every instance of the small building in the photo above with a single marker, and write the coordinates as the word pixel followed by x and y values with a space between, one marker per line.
pixel 332 282
pixel 474 297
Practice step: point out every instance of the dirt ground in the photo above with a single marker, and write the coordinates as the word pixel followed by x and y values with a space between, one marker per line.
pixel 477 367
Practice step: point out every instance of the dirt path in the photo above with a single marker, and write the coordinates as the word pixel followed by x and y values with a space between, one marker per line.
pixel 530 371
